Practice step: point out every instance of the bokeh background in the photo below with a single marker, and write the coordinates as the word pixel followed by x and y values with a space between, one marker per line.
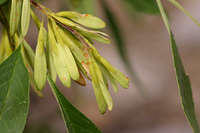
pixel 152 103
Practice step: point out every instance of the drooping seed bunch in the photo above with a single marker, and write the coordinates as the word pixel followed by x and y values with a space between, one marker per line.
pixel 66 50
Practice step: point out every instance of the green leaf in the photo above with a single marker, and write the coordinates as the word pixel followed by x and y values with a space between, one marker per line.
pixel 14 94
pixel 185 87
pixel 74 119
pixel 182 79
pixel 144 6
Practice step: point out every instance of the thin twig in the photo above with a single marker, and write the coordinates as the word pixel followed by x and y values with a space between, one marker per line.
pixel 38 6
pixel 74 32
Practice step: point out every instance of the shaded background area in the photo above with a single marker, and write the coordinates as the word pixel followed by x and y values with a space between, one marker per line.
pixel 147 44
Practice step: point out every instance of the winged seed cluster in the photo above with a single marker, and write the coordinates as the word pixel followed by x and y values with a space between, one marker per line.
pixel 66 50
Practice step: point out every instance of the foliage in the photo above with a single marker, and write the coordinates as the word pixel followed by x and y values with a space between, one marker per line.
pixel 14 86
pixel 65 50
pixel 74 120
pixel 182 79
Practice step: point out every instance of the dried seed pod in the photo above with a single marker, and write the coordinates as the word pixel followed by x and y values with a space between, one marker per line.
pixel 102 105
pixel 101 82
pixel 103 87
pixel 61 65
pixel 2 51
pixel 35 19
pixel 50 63
pixel 15 15
pixel 109 77
pixel 77 52
pixel 30 69
pixel 25 20
pixel 73 44
pixel 81 80
pixel 93 35
pixel 40 65
pixel 86 20
pixel 59 58
pixel 114 84
pixel 82 69
pixel 64 21
pixel 117 75
pixel 29 53
pixel 70 62
pixel 5 46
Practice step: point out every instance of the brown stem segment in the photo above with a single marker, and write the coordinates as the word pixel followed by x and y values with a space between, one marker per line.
pixel 74 32
pixel 38 6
